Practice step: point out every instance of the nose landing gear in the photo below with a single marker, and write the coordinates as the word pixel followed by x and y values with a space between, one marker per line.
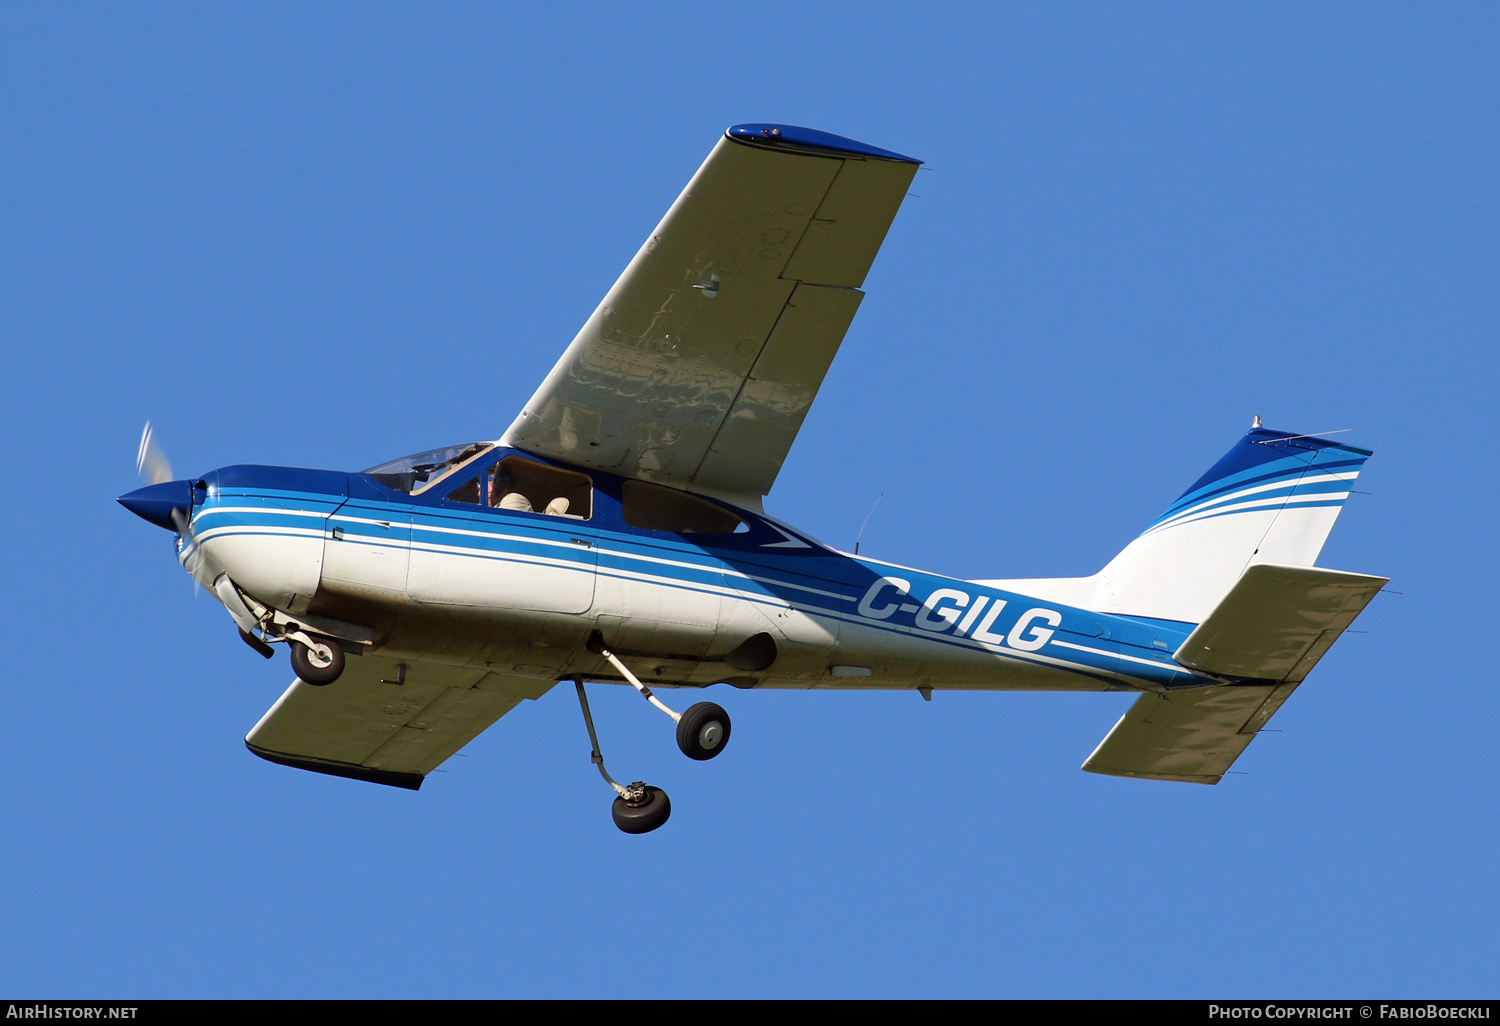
pixel 316 659
pixel 318 663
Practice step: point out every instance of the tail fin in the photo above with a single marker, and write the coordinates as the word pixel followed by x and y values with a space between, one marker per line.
pixel 1273 498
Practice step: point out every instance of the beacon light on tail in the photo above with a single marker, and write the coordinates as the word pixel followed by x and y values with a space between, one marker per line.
pixel 615 532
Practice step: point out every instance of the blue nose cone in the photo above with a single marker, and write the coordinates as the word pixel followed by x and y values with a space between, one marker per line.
pixel 155 503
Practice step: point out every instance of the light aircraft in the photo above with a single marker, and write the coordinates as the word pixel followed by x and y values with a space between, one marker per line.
pixel 616 533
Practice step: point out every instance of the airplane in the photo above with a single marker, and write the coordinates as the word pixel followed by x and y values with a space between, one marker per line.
pixel 616 532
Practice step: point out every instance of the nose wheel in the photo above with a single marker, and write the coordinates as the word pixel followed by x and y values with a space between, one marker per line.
pixel 319 663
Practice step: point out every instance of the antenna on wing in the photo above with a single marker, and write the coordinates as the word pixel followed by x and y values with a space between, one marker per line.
pixel 867 520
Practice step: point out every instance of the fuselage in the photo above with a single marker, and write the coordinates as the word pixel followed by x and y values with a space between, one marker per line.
pixel 465 581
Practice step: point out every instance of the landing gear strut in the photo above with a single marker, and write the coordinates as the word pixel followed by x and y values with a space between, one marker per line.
pixel 639 809
pixel 702 731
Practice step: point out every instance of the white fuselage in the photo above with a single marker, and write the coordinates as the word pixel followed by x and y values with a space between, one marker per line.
pixel 522 593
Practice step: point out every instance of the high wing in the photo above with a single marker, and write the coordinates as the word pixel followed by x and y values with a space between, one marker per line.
pixel 371 728
pixel 699 366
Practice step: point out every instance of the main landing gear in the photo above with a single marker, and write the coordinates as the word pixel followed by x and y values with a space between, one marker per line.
pixel 702 733
pixel 639 808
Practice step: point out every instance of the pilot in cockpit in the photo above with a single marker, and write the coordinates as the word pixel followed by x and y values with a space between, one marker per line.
pixel 505 495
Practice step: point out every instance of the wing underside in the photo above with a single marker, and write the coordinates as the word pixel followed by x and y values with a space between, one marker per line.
pixel 369 727
pixel 698 367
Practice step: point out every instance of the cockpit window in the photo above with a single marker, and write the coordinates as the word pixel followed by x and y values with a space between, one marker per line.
pixel 416 473
pixel 523 486
pixel 467 492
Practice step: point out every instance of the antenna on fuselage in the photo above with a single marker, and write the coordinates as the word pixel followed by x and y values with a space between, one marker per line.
pixel 867 520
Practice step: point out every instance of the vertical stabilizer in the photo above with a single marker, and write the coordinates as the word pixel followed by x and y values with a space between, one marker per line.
pixel 1273 498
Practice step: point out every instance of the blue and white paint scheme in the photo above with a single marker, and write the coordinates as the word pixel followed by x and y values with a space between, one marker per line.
pixel 616 532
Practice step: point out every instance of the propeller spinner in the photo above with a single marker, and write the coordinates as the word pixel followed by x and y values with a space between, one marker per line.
pixel 164 502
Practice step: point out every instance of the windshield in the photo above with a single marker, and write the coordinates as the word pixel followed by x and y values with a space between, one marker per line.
pixel 416 473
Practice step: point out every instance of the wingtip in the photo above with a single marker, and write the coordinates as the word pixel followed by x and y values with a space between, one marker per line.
pixel 798 138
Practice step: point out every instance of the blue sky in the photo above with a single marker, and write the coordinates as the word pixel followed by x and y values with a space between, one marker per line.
pixel 326 235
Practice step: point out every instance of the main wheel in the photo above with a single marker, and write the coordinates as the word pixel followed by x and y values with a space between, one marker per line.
pixel 320 665
pixel 703 731
pixel 643 816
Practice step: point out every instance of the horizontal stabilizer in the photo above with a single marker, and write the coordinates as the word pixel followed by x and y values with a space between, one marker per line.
pixel 367 726
pixel 1277 622
pixel 1192 736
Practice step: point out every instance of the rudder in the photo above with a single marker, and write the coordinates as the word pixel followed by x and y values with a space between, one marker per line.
pixel 1273 498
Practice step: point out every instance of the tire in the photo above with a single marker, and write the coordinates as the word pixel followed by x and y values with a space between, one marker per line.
pixel 643 816
pixel 305 663
pixel 703 731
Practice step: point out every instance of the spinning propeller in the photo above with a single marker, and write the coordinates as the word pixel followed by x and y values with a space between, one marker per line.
pixel 150 461
pixel 164 501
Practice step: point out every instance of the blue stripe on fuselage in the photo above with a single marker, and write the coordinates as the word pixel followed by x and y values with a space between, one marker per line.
pixel 816 581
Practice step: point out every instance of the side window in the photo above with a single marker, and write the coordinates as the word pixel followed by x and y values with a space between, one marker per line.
pixel 519 484
pixel 655 508
pixel 466 492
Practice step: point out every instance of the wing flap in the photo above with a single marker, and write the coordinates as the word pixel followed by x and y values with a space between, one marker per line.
pixel 1190 736
pixel 367 727
pixel 1277 622
pixel 756 436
